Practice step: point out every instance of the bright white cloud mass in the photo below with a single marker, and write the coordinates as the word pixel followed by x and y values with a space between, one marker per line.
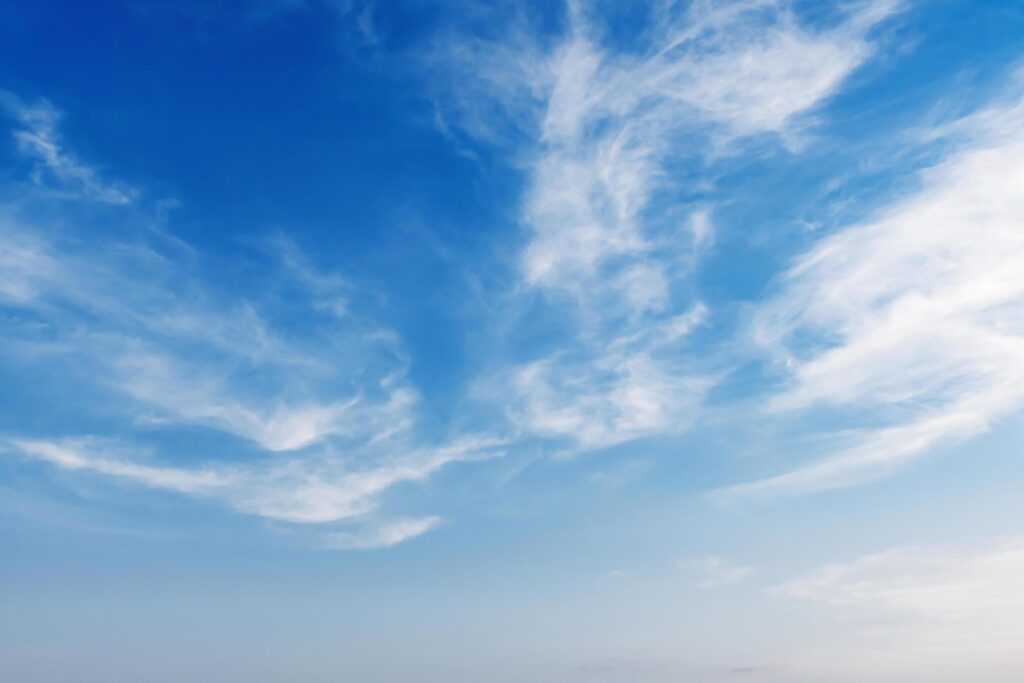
pixel 920 311
pixel 511 341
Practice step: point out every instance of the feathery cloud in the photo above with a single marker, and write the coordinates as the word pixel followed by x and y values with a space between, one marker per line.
pixel 609 247
pixel 914 319
pixel 323 401
pixel 314 489
pixel 55 170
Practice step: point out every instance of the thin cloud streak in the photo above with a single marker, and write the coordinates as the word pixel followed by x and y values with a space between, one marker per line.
pixel 384 536
pixel 917 315
pixel 324 404
pixel 56 171
pixel 174 352
pixel 317 489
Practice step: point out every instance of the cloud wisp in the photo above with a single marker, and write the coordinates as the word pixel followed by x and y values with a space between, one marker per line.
pixel 312 489
pixel 915 319
pixel 55 170
pixel 612 241
pixel 316 407
pixel 187 354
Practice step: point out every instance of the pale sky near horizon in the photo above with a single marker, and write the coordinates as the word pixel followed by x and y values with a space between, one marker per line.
pixel 424 340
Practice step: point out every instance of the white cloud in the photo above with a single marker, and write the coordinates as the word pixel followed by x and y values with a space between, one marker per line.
pixel 606 120
pixel 331 291
pixel 325 489
pixel 177 350
pixel 607 399
pixel 184 391
pixel 600 123
pixel 384 536
pixel 173 360
pixel 918 313
pixel 56 169
pixel 132 323
pixel 71 457
pixel 313 489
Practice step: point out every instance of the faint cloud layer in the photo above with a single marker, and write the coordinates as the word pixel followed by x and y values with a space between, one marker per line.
pixel 923 611
pixel 712 572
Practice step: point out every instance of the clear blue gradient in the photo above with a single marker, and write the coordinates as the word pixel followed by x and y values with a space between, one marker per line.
pixel 355 340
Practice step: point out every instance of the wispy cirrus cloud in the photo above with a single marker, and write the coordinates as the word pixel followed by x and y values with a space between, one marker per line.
pixel 382 536
pixel 56 170
pixel 604 121
pixel 186 355
pixel 612 239
pixel 317 488
pixel 322 402
pixel 912 322
pixel 74 456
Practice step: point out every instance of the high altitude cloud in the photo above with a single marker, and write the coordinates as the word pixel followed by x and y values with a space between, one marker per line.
pixel 913 320
pixel 320 407
pixel 383 536
pixel 914 316
pixel 55 169
pixel 315 489
pixel 594 124
pixel 138 315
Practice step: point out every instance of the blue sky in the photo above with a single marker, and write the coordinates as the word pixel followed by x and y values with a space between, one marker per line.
pixel 596 341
